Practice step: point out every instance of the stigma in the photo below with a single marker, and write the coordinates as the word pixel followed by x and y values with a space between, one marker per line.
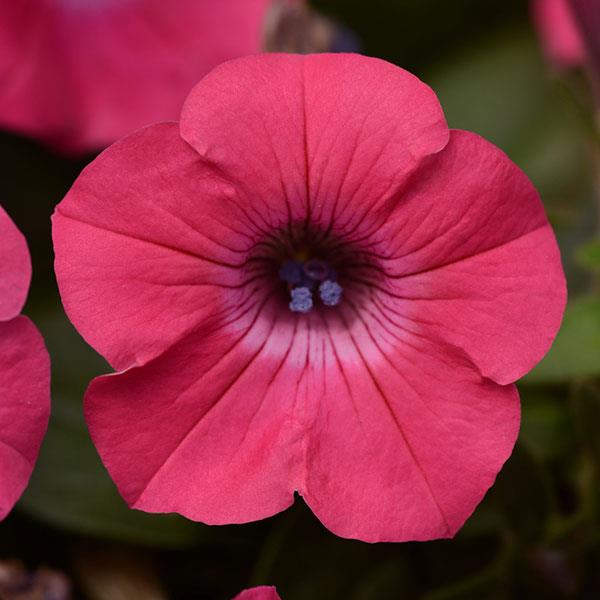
pixel 308 279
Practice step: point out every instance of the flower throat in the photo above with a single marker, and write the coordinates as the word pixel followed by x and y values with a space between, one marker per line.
pixel 313 268
pixel 306 279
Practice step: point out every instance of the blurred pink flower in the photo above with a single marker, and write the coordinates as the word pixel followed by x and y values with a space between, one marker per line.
pixel 559 35
pixel 24 371
pixel 259 593
pixel 587 17
pixel 311 285
pixel 79 74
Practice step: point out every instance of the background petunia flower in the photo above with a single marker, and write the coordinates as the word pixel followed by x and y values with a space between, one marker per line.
pixel 194 257
pixel 24 371
pixel 558 32
pixel 81 74
pixel 587 20
pixel 262 592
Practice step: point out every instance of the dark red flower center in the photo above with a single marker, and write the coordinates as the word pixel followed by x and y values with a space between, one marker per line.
pixel 313 268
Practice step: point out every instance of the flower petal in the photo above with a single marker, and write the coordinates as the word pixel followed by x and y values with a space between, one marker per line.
pixel 313 137
pixel 408 436
pixel 24 405
pixel 145 247
pixel 559 34
pixel 207 429
pixel 387 439
pixel 15 268
pixel 83 74
pixel 473 261
pixel 263 592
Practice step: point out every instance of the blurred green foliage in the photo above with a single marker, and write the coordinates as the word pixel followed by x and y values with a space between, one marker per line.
pixel 536 533
pixel 588 255
pixel 575 354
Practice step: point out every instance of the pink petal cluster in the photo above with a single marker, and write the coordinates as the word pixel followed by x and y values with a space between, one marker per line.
pixel 81 74
pixel 559 34
pixel 24 371
pixel 390 413
pixel 262 592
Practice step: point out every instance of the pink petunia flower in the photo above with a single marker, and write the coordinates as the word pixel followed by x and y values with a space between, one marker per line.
pixel 81 74
pixel 310 284
pixel 559 34
pixel 587 19
pixel 262 592
pixel 24 371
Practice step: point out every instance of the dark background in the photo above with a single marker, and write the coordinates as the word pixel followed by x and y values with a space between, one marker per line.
pixel 536 533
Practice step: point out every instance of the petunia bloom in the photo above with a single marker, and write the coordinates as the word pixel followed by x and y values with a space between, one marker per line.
pixel 24 371
pixel 262 592
pixel 559 34
pixel 79 75
pixel 310 284
pixel 587 19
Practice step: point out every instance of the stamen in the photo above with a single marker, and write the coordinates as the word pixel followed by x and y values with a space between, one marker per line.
pixel 330 292
pixel 303 278
pixel 302 301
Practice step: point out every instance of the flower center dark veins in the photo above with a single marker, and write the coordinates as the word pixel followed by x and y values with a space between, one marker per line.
pixel 312 268
pixel 303 279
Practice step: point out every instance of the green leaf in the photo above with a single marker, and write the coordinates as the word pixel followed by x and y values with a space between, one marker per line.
pixel 588 255
pixel 545 422
pixel 575 353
